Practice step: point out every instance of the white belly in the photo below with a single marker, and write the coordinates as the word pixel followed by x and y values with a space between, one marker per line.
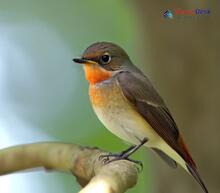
pixel 127 124
pixel 132 128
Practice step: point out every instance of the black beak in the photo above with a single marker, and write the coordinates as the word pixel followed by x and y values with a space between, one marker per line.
pixel 80 60
pixel 84 61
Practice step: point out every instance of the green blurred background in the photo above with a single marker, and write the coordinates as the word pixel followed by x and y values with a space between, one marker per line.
pixel 43 94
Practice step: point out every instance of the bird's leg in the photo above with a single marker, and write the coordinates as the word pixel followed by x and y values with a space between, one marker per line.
pixel 124 155
pixel 142 142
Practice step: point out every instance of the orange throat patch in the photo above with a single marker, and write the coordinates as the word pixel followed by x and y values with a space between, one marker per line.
pixel 95 74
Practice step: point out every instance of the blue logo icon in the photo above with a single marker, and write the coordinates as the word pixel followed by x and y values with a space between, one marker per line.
pixel 168 14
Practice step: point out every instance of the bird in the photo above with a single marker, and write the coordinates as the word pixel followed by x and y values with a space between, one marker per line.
pixel 129 106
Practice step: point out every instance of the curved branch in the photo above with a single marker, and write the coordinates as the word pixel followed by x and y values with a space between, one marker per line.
pixel 82 162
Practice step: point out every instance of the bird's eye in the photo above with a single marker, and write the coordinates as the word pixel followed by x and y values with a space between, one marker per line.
pixel 105 58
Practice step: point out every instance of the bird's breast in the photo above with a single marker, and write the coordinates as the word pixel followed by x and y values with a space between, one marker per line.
pixel 117 114
pixel 104 94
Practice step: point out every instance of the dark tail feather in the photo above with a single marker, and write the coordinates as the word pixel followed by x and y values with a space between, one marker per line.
pixel 190 164
pixel 193 170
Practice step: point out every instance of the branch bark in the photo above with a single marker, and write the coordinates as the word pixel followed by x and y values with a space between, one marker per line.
pixel 82 162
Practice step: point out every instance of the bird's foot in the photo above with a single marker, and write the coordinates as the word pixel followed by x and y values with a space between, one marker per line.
pixel 119 156
pixel 106 157
pixel 124 155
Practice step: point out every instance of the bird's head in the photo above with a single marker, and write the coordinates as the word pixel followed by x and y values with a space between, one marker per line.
pixel 102 60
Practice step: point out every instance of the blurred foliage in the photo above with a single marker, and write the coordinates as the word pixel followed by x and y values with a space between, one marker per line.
pixel 41 85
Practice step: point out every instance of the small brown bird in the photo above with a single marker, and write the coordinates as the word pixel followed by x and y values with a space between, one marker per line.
pixel 128 105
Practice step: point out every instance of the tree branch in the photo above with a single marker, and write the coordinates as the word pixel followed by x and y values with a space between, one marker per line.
pixel 82 162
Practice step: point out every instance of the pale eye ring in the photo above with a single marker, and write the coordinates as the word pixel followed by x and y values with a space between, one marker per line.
pixel 105 58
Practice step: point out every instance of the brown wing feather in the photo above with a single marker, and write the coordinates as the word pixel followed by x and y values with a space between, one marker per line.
pixel 140 92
